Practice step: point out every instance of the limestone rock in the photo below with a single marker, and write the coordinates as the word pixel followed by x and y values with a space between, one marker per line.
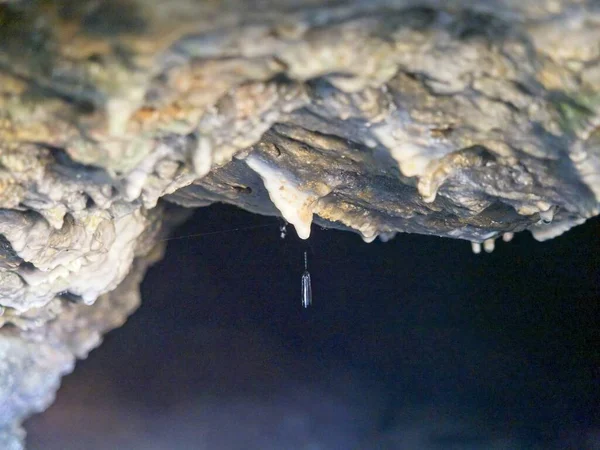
pixel 470 119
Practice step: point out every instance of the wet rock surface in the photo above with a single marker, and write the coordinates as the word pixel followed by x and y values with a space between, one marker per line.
pixel 466 118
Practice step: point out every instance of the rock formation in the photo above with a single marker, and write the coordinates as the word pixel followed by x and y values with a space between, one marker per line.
pixel 469 119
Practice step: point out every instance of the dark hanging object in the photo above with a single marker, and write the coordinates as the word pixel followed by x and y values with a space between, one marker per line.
pixel 306 288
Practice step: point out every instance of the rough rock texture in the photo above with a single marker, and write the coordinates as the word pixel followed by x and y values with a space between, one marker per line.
pixel 40 346
pixel 470 119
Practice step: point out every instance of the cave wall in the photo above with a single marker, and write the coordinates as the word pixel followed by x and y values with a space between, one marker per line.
pixel 469 119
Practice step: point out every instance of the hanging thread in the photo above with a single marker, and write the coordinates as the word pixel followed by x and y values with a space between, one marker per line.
pixel 210 233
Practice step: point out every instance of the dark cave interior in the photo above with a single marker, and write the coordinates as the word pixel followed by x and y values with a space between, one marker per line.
pixel 414 343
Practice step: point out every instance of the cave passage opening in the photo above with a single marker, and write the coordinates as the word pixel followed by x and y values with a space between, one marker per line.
pixel 414 334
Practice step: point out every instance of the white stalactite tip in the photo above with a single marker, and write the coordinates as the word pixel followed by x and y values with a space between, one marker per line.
pixel 296 206
pixel 489 245
pixel 507 237
pixel 368 239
